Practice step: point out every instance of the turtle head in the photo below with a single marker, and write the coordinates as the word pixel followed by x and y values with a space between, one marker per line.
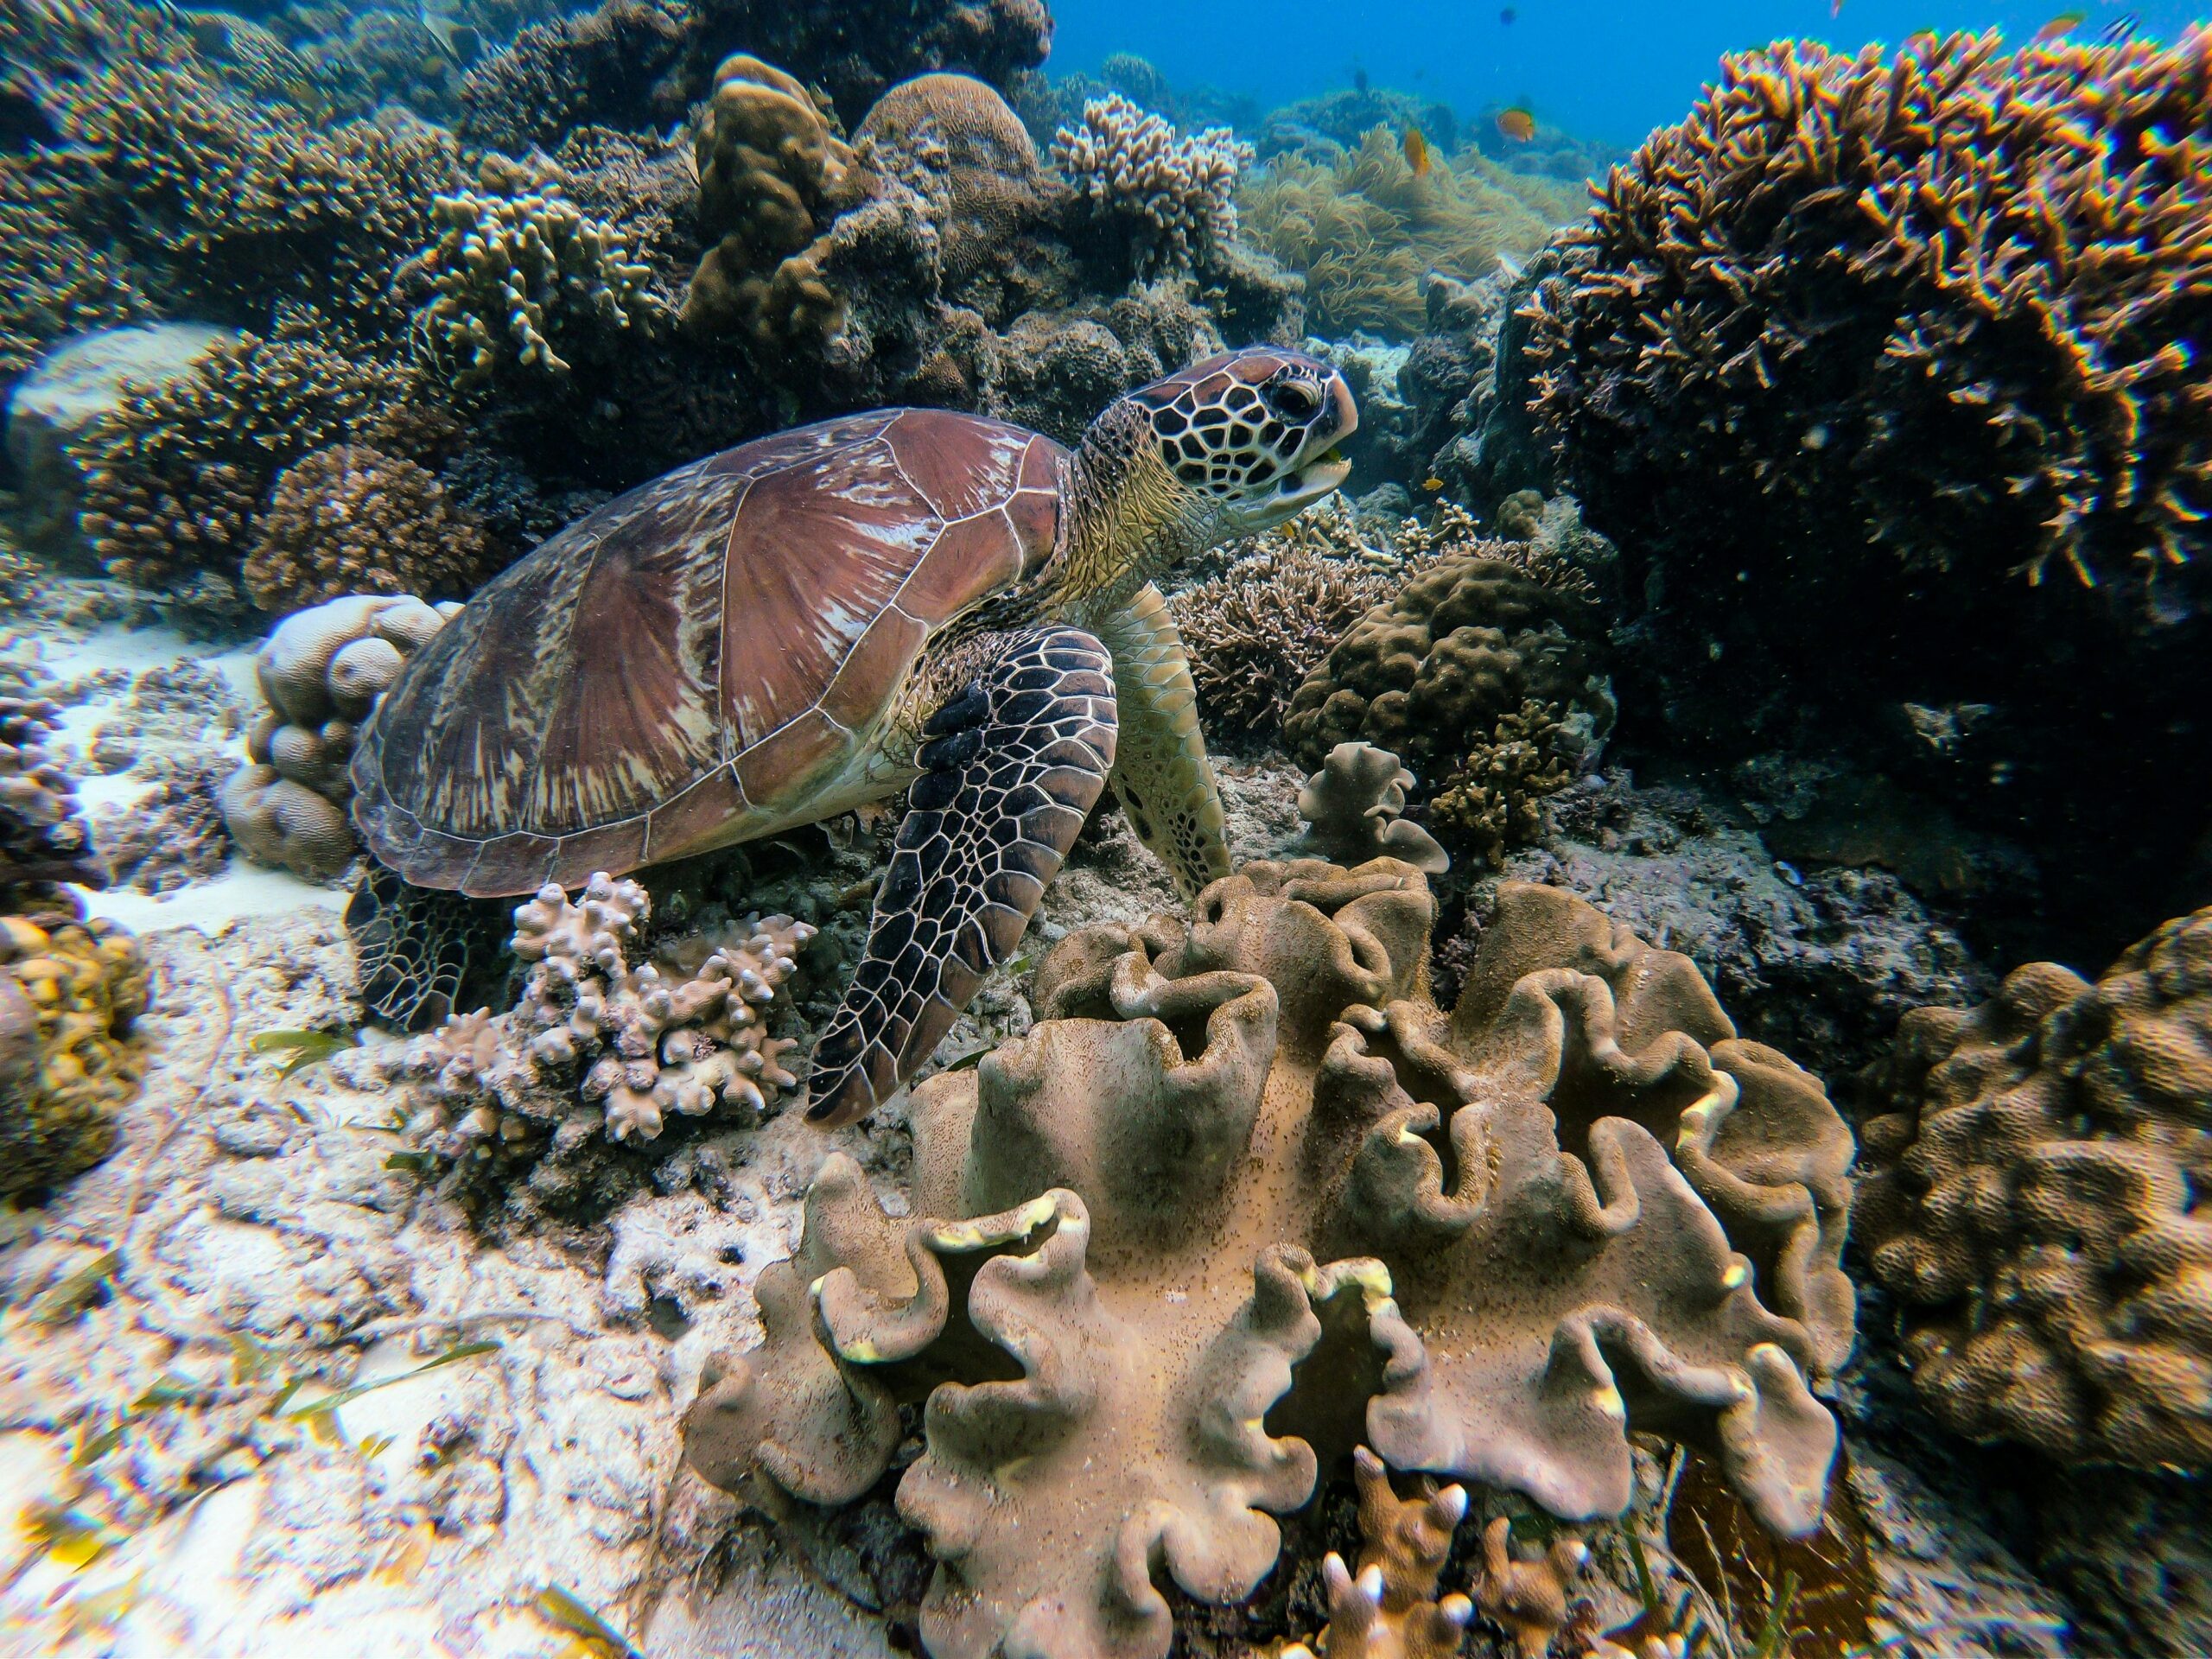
pixel 1251 436
pixel 1230 446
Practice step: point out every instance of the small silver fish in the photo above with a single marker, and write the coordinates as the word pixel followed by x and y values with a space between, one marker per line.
pixel 2121 30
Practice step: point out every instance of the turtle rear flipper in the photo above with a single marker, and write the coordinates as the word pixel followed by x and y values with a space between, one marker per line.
pixel 1015 764
pixel 418 948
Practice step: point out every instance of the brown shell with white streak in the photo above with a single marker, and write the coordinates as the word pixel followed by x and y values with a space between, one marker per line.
pixel 706 659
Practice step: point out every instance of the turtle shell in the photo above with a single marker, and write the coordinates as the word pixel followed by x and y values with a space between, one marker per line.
pixel 704 660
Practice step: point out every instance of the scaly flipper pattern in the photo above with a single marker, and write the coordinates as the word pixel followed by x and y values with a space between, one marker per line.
pixel 1013 764
pixel 1161 771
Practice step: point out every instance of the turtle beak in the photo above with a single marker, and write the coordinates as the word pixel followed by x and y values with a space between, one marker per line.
pixel 1321 466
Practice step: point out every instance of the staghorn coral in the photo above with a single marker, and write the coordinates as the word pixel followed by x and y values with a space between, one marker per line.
pixel 1255 631
pixel 1353 810
pixel 70 990
pixel 772 177
pixel 320 672
pixel 1481 672
pixel 1368 233
pixel 352 519
pixel 514 270
pixel 171 478
pixel 1170 199
pixel 2030 1204
pixel 685 1035
pixel 1389 1608
pixel 42 838
pixel 1244 1196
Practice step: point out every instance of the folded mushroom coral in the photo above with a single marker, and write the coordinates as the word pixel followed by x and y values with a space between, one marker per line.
pixel 1245 1197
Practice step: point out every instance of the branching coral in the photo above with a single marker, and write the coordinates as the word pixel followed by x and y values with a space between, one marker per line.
pixel 622 62
pixel 1244 1196
pixel 680 1036
pixel 171 480
pixel 1171 197
pixel 2033 1206
pixel 1482 674
pixel 513 271
pixel 1367 231
pixel 1943 298
pixel 352 519
pixel 1255 632
pixel 1390 1608
pixel 321 671
pixel 70 991
pixel 43 839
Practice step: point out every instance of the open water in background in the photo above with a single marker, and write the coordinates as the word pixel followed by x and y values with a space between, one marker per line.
pixel 1603 69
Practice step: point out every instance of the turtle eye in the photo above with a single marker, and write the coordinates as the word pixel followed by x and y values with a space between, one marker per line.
pixel 1292 399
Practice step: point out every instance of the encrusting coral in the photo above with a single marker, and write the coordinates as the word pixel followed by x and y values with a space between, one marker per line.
pixel 517 269
pixel 352 519
pixel 1171 197
pixel 1483 671
pixel 1353 810
pixel 1389 1608
pixel 320 672
pixel 1243 1197
pixel 2031 1203
pixel 1369 233
pixel 683 1036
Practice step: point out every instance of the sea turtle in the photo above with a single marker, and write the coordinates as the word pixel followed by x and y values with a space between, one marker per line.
pixel 820 619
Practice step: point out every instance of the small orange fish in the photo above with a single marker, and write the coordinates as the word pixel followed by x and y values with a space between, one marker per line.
pixel 1432 485
pixel 2065 23
pixel 1517 124
pixel 1416 149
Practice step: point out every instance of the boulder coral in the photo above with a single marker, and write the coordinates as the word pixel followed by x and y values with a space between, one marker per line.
pixel 352 519
pixel 320 672
pixel 2030 1202
pixel 1243 1199
pixel 684 1036
pixel 70 992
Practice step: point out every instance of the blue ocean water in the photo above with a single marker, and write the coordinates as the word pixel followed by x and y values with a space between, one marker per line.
pixel 1609 72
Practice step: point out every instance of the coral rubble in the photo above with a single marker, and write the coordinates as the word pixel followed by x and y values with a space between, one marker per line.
pixel 320 672
pixel 1487 1243
pixel 633 1044
pixel 2030 1204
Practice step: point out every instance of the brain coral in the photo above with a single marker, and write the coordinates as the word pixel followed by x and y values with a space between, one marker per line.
pixel 1171 197
pixel 320 672
pixel 1243 1197
pixel 2032 1203
pixel 352 519
pixel 70 990
pixel 1481 673
pixel 974 154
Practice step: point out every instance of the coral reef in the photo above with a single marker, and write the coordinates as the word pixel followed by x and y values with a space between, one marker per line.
pixel 70 989
pixel 43 839
pixel 352 519
pixel 1486 1244
pixel 1482 672
pixel 320 672
pixel 683 1036
pixel 514 272
pixel 1255 630
pixel 171 835
pixel 2029 1205
pixel 1872 345
pixel 1367 231
pixel 626 62
pixel 1354 807
pixel 1170 197
pixel 1391 1607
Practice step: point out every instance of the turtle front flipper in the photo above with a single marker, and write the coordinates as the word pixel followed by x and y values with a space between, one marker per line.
pixel 1013 764
pixel 418 949
pixel 1161 771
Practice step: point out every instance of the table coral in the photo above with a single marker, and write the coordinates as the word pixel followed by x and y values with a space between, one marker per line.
pixel 635 1044
pixel 2030 1204
pixel 320 672
pixel 1244 1196
pixel 513 271
pixel 1484 673
pixel 352 519
pixel 1171 197
pixel 1369 233
pixel 70 989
